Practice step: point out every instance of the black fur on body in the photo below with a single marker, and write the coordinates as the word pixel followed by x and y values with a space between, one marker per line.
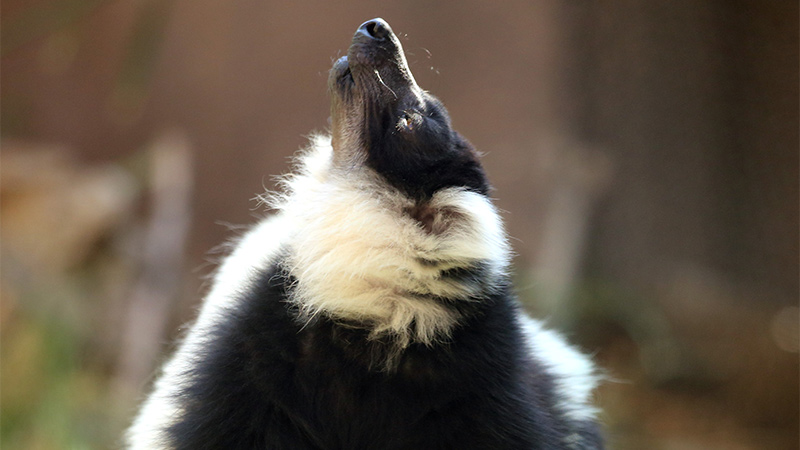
pixel 273 371
pixel 269 382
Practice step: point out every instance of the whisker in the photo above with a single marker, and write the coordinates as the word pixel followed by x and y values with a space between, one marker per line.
pixel 384 84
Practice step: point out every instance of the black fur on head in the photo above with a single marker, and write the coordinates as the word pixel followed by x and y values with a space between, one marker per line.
pixel 381 118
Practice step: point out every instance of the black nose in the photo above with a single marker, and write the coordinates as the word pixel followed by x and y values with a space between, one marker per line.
pixel 376 29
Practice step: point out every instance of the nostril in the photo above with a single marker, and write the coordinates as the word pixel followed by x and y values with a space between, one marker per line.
pixel 371 28
pixel 376 29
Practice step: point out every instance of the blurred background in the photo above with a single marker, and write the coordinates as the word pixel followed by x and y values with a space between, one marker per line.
pixel 644 154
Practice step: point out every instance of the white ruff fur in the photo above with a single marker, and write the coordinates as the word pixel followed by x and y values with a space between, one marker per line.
pixel 358 254
pixel 573 372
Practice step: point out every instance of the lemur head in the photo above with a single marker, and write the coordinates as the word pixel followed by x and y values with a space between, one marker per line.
pixel 392 230
pixel 382 119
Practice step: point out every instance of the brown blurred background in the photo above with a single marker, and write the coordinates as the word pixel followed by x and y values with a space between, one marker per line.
pixel 645 155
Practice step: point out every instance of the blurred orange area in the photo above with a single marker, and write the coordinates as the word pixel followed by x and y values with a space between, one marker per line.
pixel 55 209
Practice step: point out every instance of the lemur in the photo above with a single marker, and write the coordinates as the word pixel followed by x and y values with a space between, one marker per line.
pixel 374 308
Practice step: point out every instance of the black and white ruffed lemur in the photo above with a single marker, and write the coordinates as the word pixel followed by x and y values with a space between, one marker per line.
pixel 373 310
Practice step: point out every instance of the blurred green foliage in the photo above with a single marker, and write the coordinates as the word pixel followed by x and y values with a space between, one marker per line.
pixel 49 399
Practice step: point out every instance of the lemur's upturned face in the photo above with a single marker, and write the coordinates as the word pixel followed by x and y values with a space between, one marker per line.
pixel 383 119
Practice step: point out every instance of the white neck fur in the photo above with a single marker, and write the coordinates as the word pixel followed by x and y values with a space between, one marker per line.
pixel 357 254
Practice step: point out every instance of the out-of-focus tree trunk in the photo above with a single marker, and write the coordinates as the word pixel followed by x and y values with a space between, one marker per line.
pixel 697 105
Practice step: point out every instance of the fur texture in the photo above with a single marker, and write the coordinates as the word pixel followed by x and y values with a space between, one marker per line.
pixel 373 310
pixel 359 253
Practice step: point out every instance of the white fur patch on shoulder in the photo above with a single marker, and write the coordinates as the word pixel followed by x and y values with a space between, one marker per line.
pixel 256 250
pixel 573 372
pixel 358 253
